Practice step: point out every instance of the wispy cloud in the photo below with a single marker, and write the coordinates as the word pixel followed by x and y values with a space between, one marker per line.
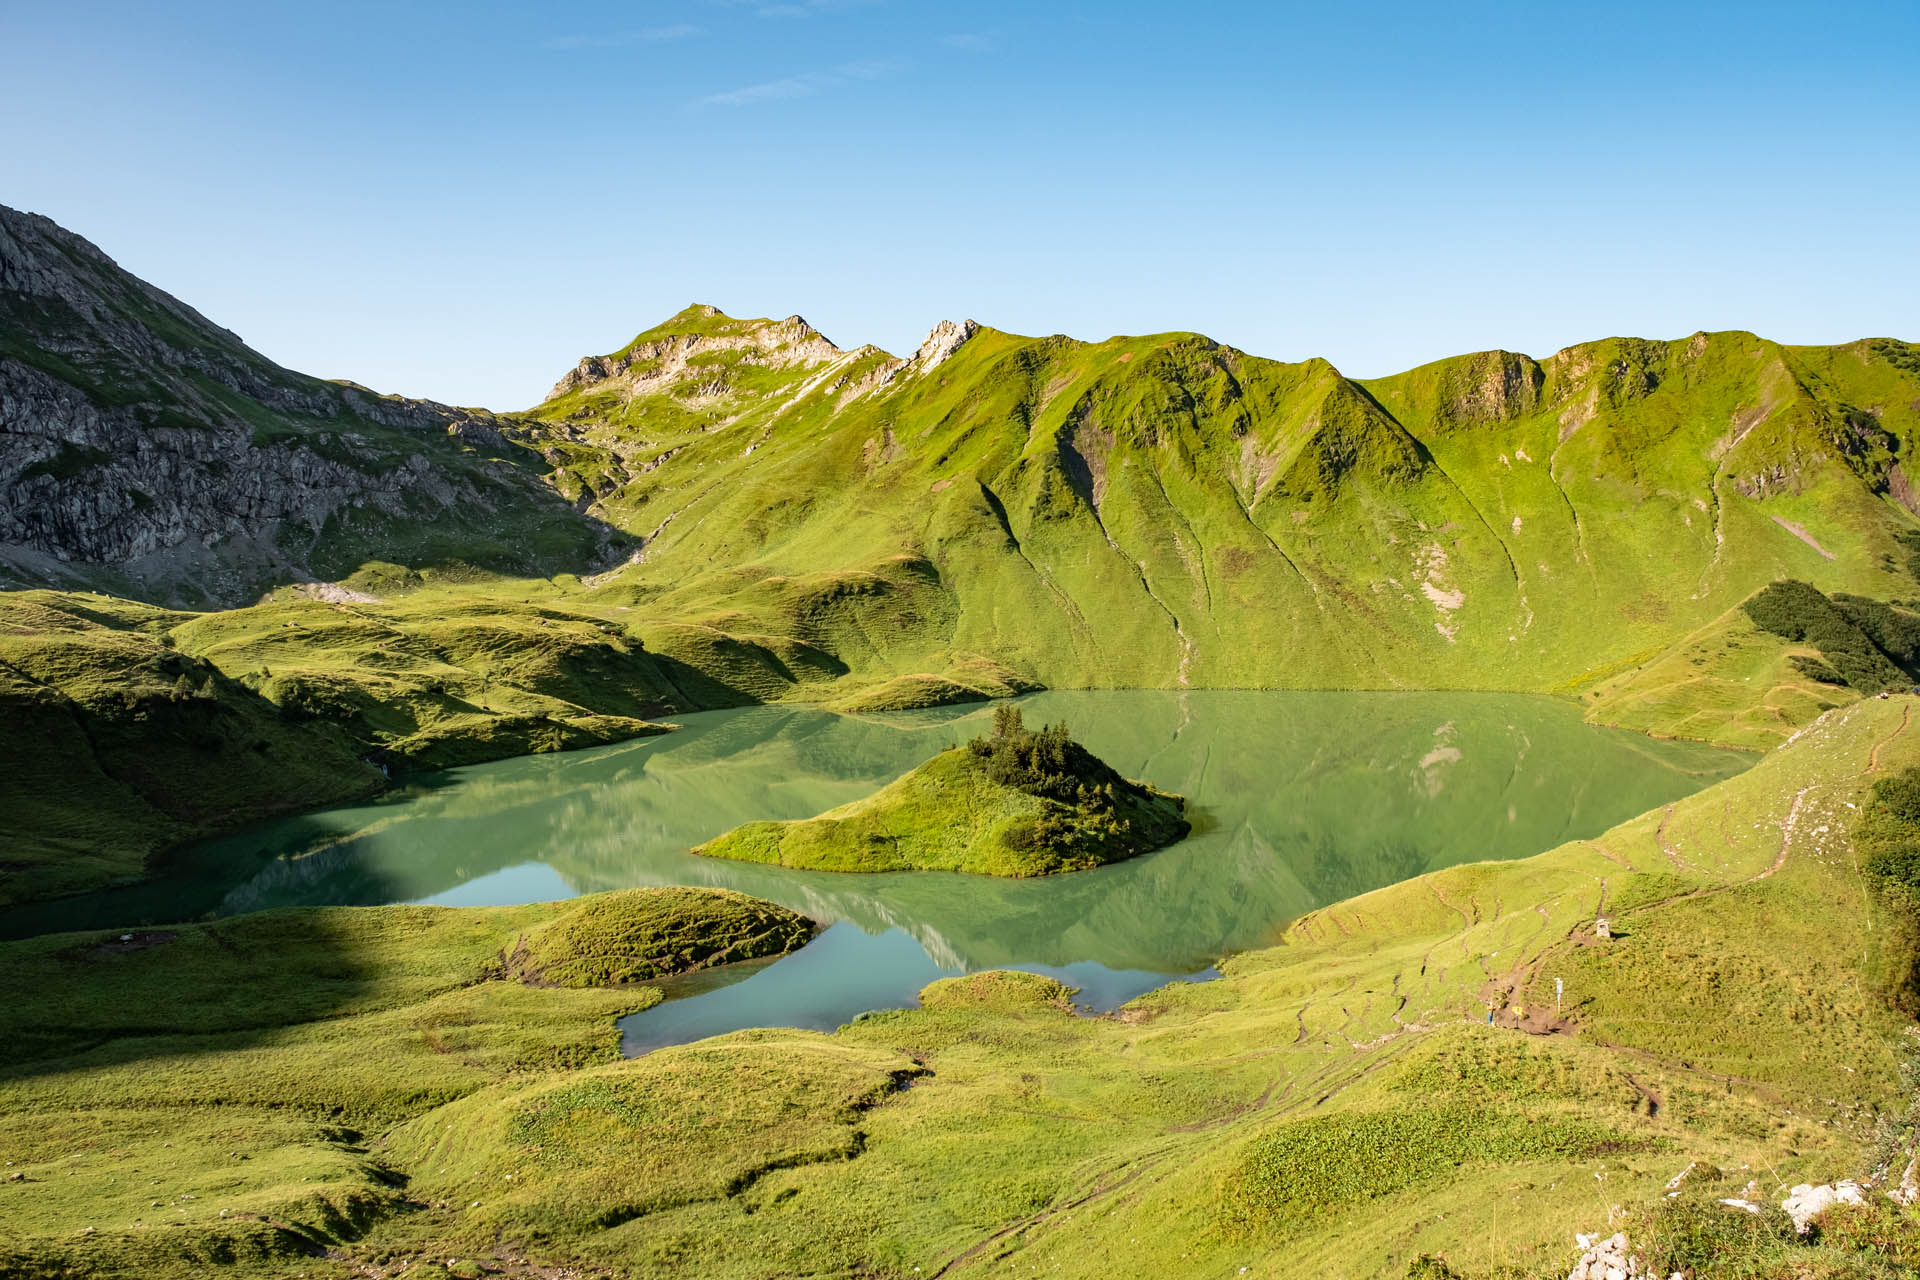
pixel 969 42
pixel 804 86
pixel 616 39
pixel 795 8
pixel 770 91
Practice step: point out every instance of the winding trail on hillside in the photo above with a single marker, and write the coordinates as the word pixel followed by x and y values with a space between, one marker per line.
pixel 1788 826
pixel 1134 1166
pixel 1873 757
pixel 1609 854
pixel 1793 813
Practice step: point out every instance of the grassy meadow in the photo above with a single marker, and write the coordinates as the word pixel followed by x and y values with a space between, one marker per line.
pixel 375 1096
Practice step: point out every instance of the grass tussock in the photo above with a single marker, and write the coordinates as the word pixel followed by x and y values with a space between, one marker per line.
pixel 634 935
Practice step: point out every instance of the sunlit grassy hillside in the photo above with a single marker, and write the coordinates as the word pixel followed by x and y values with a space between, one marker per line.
pixel 1339 1104
pixel 1164 510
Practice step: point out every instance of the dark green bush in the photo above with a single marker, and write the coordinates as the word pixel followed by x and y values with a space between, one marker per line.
pixel 1896 632
pixel 1044 762
pixel 1909 540
pixel 1798 612
pixel 1817 670
pixel 1093 806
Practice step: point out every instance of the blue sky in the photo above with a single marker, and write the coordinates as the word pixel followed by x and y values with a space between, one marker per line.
pixel 458 200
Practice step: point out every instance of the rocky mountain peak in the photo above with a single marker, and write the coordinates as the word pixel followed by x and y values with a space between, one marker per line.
pixel 945 339
pixel 684 353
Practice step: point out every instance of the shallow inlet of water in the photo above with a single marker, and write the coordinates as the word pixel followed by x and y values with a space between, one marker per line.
pixel 1298 800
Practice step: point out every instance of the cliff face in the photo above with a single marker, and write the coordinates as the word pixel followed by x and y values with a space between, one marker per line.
pixel 142 447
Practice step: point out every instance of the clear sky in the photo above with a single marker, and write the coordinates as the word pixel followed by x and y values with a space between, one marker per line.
pixel 460 199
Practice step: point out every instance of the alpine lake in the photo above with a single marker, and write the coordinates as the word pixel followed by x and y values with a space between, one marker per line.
pixel 1297 800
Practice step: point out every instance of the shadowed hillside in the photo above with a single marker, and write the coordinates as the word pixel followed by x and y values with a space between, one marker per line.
pixel 147 450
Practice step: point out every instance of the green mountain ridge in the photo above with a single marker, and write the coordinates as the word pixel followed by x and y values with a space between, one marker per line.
pixel 1699 536
pixel 1159 511
pixel 1165 510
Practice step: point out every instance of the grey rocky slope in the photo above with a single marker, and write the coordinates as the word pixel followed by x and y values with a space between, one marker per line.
pixel 145 449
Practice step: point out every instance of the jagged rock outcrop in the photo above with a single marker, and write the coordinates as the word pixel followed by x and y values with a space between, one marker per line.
pixel 681 354
pixel 942 342
pixel 144 447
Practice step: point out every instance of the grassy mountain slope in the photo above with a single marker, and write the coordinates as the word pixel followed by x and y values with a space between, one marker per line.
pixel 1021 803
pixel 1747 1014
pixel 244 1026
pixel 991 513
pixel 145 449
pixel 1164 510
pixel 1729 682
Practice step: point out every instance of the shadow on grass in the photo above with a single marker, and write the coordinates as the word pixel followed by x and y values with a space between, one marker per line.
pixel 109 997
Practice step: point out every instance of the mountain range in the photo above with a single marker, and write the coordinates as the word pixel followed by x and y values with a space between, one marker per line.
pixel 1157 510
pixel 726 511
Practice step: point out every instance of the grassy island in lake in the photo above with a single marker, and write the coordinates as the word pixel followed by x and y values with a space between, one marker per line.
pixel 1022 802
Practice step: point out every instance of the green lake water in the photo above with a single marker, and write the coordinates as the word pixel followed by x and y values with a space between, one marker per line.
pixel 1298 800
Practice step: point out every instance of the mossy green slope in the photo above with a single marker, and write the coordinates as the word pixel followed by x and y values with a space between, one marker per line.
pixel 634 935
pixel 121 745
pixel 1730 682
pixel 135 728
pixel 962 811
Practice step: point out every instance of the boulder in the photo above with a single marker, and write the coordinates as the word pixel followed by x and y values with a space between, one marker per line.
pixel 1805 1202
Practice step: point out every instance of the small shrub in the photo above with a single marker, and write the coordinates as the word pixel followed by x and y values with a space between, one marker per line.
pixel 1909 542
pixel 1816 670
pixel 1876 1228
